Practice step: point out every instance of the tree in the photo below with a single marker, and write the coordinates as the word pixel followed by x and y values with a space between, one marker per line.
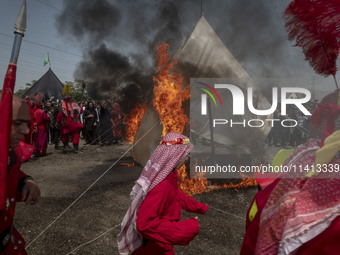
pixel 21 92
pixel 78 92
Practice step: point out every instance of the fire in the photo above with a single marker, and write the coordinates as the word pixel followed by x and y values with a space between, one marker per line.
pixel 170 91
pixel 246 182
pixel 133 121
pixel 127 164
pixel 191 186
pixel 199 184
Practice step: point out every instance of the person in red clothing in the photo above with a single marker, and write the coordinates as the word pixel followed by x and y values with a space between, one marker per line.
pixel 152 223
pixel 29 137
pixel 19 186
pixel 300 212
pixel 117 119
pixel 68 121
pixel 40 136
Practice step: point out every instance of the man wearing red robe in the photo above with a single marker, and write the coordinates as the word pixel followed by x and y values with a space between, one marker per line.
pixel 40 136
pixel 152 223
pixel 300 212
pixel 19 186
pixel 68 120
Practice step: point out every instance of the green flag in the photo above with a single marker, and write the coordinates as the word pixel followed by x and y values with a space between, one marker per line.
pixel 47 59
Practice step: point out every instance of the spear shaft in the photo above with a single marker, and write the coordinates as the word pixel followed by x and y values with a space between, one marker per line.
pixel 6 104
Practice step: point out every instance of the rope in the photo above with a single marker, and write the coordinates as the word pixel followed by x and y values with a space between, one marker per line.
pixel 109 129
pixel 94 239
pixel 236 216
pixel 88 188
pixel 109 230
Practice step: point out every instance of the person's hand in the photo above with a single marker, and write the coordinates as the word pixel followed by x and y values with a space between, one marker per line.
pixel 91 116
pixel 30 192
pixel 95 124
pixel 196 217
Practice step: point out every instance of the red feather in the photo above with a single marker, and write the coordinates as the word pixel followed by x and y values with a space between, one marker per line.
pixel 315 27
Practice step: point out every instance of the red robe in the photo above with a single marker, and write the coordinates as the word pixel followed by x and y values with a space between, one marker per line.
pixel 29 137
pixel 41 135
pixel 15 244
pixel 158 218
pixel 327 242
pixel 69 126
pixel 252 227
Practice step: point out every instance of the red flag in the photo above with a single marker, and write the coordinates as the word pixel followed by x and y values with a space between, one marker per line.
pixel 5 129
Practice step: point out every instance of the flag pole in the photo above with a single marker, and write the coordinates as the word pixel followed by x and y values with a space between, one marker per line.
pixel 6 103
pixel 49 59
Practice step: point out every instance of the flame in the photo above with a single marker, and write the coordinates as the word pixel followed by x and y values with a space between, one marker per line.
pixel 133 121
pixel 191 186
pixel 171 90
pixel 246 182
pixel 199 184
pixel 127 164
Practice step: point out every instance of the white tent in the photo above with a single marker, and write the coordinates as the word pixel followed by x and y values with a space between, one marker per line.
pixel 205 50
pixel 203 54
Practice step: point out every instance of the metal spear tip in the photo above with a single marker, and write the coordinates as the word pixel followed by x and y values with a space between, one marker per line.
pixel 20 24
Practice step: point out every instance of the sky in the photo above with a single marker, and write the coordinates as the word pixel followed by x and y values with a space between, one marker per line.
pixel 40 37
pixel 125 33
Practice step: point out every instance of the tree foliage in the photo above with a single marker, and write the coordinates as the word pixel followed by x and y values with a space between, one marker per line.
pixel 78 91
pixel 21 92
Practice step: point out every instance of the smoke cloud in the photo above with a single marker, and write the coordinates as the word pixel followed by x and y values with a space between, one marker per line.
pixel 94 19
pixel 118 39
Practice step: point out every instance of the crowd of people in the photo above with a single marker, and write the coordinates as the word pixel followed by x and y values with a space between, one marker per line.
pixel 293 213
pixel 61 122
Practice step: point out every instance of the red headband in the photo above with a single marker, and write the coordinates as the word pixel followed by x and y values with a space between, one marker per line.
pixel 178 141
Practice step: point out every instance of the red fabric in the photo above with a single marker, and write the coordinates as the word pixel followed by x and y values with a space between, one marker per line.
pixel 299 209
pixel 252 228
pixel 40 137
pixel 68 108
pixel 265 179
pixel 69 127
pixel 29 137
pixel 75 137
pixel 24 151
pixel 158 218
pixel 59 116
pixel 325 243
pixel 5 128
pixel 330 113
pixel 41 118
pixel 12 196
pixel 178 141
pixel 117 119
pixel 161 163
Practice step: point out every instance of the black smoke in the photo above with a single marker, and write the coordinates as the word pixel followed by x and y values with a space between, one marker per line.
pixel 83 19
pixel 118 39
pixel 112 76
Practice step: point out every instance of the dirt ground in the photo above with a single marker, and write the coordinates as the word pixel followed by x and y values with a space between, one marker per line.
pixel 98 213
